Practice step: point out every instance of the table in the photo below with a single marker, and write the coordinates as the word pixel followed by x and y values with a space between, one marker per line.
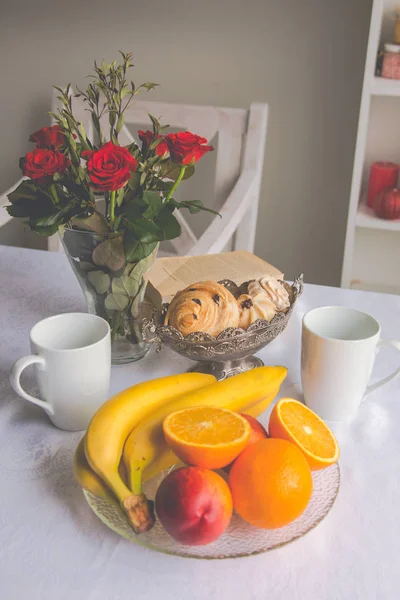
pixel 52 547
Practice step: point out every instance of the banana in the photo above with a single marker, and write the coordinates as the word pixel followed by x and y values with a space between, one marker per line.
pixel 88 479
pixel 91 482
pixel 162 462
pixel 239 393
pixel 257 409
pixel 110 426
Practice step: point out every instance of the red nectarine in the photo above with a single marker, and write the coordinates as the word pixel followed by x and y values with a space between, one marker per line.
pixel 258 431
pixel 194 505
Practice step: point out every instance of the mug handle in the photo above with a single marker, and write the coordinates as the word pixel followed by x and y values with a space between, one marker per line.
pixel 15 375
pixel 377 384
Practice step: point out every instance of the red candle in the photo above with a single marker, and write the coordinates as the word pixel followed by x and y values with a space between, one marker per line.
pixel 382 175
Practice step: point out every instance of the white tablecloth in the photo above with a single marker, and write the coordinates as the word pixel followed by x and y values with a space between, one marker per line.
pixel 52 547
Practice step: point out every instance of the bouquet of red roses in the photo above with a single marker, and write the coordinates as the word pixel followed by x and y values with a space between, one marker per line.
pixel 67 171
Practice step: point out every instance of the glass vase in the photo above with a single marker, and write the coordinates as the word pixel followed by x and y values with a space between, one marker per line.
pixel 114 289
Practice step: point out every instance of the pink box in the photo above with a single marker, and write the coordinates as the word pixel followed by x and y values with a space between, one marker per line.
pixel 391 65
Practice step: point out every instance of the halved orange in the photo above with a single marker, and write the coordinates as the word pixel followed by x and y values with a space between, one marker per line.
pixel 206 436
pixel 292 421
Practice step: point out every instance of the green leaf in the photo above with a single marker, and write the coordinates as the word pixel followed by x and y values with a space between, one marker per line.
pixel 96 222
pixel 110 253
pixel 26 190
pixel 194 206
pixel 112 117
pixel 18 210
pixel 129 268
pixel 155 123
pixel 144 265
pixel 120 123
pixel 57 218
pixel 78 190
pixel 171 170
pixel 79 245
pixel 164 186
pixel 149 86
pixel 134 181
pixel 126 285
pixel 132 210
pixel 133 149
pixel 46 231
pixel 120 196
pixel 96 122
pixel 154 204
pixel 82 131
pixel 145 231
pixel 136 304
pixel 99 280
pixel 86 266
pixel 28 208
pixel 135 249
pixel 116 301
pixel 137 270
pixel 124 92
pixel 168 223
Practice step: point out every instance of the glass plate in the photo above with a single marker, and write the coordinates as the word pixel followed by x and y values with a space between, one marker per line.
pixel 240 539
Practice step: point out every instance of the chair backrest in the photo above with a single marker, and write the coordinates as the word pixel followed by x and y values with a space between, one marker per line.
pixel 4 216
pixel 241 136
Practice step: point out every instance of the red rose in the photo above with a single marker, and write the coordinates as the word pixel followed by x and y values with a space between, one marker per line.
pixel 48 137
pixel 43 163
pixel 110 167
pixel 148 136
pixel 186 148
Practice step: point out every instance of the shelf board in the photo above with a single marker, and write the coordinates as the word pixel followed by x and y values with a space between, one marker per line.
pixel 381 86
pixel 369 286
pixel 367 218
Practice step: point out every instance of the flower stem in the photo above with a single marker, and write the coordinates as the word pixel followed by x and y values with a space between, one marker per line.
pixel 177 182
pixel 53 192
pixel 112 208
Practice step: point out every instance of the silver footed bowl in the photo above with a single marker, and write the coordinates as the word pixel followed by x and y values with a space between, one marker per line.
pixel 232 351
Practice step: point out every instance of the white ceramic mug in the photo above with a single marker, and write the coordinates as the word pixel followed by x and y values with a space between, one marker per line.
pixel 72 357
pixel 339 346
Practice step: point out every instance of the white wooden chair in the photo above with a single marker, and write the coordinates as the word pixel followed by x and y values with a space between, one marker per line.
pixel 4 216
pixel 239 162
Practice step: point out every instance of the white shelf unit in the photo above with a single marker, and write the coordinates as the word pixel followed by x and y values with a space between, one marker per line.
pixel 380 86
pixel 366 218
pixel 372 248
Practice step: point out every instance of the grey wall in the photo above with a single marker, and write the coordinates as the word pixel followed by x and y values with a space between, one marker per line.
pixel 305 58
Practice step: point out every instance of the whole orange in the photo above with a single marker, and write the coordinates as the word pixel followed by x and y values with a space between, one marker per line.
pixel 271 483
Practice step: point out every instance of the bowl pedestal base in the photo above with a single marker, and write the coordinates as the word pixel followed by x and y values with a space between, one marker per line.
pixel 224 369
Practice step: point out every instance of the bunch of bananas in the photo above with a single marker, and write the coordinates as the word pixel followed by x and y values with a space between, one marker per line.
pixel 124 445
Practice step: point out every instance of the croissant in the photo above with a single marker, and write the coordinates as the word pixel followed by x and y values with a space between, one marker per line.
pixel 255 305
pixel 276 292
pixel 206 306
